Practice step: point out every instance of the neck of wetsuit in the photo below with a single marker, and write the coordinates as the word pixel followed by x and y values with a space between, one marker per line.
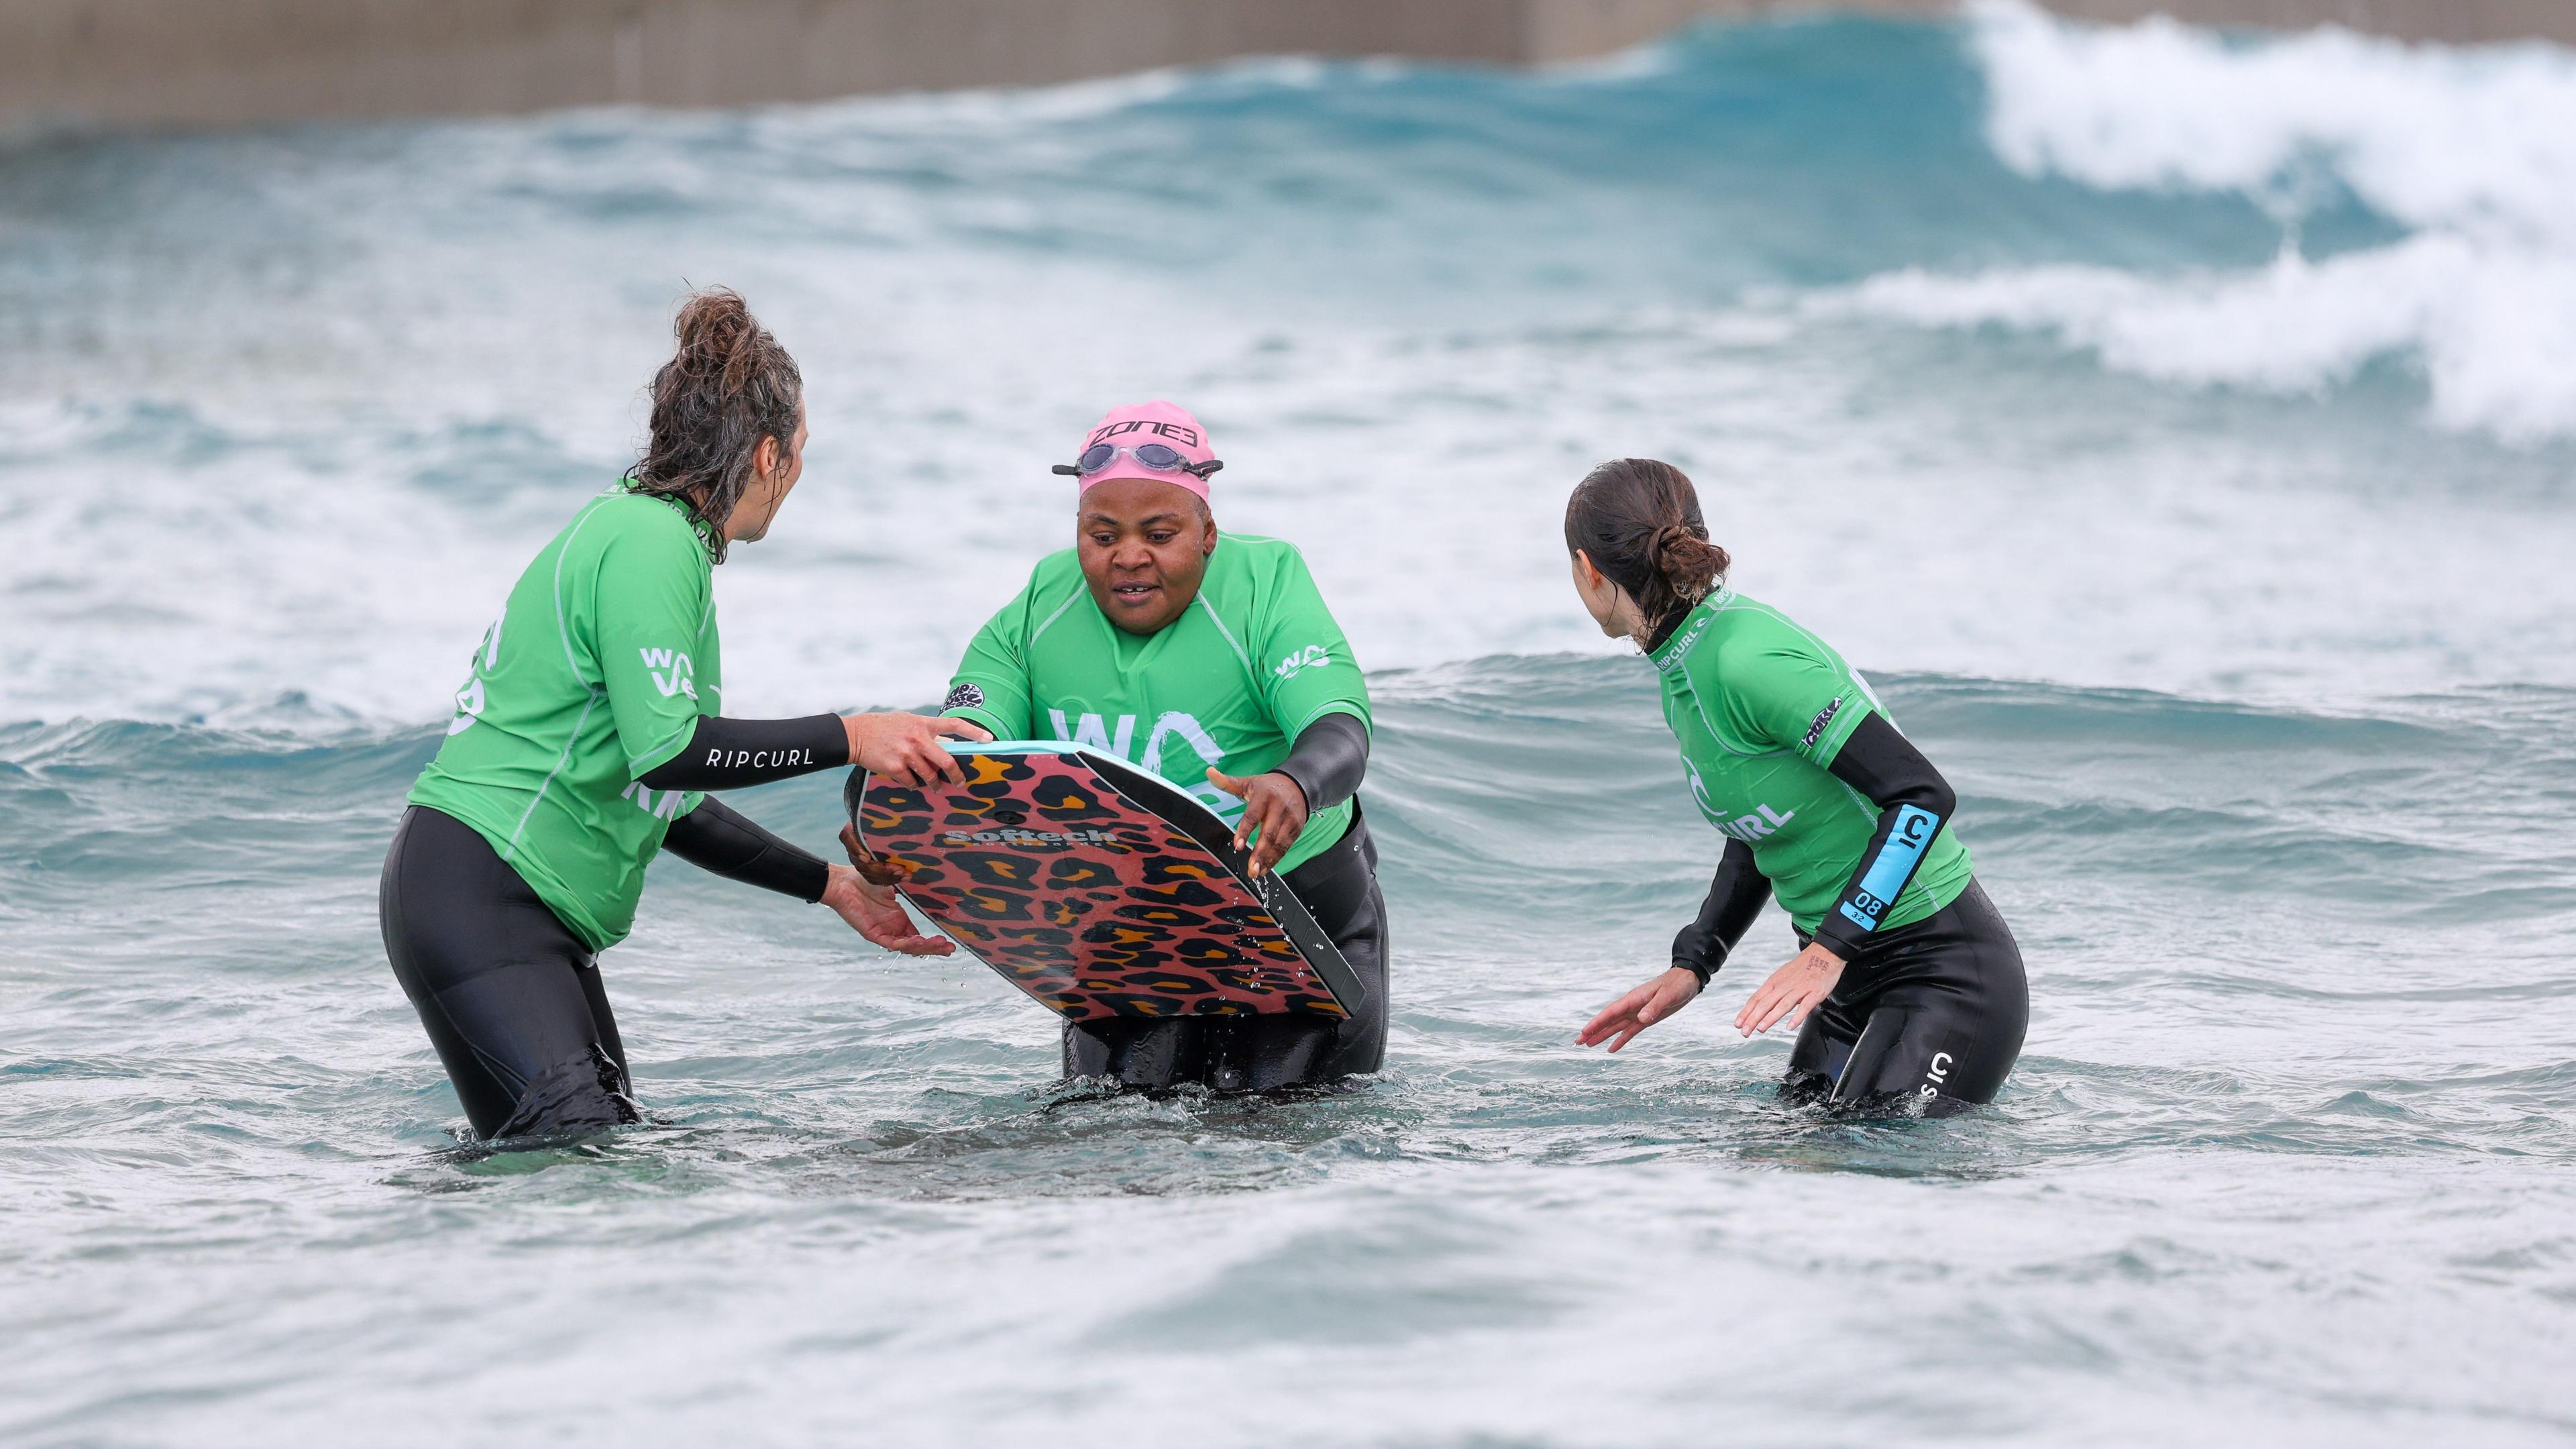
pixel 1664 628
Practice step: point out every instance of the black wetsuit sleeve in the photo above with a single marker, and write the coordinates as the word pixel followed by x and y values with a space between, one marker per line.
pixel 1734 899
pixel 719 838
pixel 1328 760
pixel 1914 804
pixel 728 754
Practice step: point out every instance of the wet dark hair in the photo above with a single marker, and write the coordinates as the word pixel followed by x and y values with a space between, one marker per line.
pixel 727 387
pixel 1638 520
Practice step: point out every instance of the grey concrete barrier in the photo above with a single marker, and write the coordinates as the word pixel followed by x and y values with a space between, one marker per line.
pixel 238 62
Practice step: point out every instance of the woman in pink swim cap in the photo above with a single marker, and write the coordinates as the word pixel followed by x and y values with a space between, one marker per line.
pixel 1209 659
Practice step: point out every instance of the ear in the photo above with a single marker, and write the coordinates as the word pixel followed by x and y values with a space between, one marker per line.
pixel 1592 576
pixel 765 462
pixel 1207 522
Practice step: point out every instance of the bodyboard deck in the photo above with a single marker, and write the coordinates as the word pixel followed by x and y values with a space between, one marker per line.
pixel 1098 889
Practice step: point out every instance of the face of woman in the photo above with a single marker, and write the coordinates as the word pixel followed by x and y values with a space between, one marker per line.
pixel 1602 599
pixel 1144 548
pixel 772 478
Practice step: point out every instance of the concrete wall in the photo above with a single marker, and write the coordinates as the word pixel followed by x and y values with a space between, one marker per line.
pixel 234 62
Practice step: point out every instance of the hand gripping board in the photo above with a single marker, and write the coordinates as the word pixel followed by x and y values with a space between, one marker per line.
pixel 1098 889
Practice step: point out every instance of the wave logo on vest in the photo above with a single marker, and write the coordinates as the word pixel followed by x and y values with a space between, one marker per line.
pixel 661 804
pixel 672 672
pixel 470 699
pixel 1092 732
pixel 469 706
pixel 1300 660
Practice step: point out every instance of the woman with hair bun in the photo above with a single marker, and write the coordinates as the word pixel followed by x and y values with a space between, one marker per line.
pixel 586 734
pixel 1908 982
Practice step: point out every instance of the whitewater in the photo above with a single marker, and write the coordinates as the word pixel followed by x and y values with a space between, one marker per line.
pixel 2180 428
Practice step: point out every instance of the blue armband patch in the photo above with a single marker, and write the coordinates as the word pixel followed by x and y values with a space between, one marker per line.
pixel 1915 827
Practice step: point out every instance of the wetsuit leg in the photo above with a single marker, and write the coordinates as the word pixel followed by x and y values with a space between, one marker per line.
pixel 1824 1045
pixel 1260 1053
pixel 1339 887
pixel 511 998
pixel 1929 1020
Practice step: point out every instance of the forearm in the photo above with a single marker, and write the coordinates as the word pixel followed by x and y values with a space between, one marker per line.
pixel 729 754
pixel 1915 805
pixel 1735 897
pixel 716 837
pixel 1328 760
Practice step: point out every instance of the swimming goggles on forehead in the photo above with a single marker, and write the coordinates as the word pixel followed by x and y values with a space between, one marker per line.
pixel 1158 457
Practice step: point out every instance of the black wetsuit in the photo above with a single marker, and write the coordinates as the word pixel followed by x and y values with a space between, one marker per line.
pixel 1927 1017
pixel 510 996
pixel 512 999
pixel 1259 1053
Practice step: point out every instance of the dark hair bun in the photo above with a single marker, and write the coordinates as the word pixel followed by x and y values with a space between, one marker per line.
pixel 728 388
pixel 718 338
pixel 1690 564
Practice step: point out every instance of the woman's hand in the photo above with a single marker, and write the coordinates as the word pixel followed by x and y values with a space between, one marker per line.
pixel 874 912
pixel 1641 1008
pixel 905 748
pixel 1274 805
pixel 1792 991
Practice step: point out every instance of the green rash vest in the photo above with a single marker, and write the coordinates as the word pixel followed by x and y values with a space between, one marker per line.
pixel 1254 660
pixel 595 673
pixel 1761 707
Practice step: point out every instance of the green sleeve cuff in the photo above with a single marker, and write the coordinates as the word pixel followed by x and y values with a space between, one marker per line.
pixel 1338 706
pixel 663 753
pixel 991 724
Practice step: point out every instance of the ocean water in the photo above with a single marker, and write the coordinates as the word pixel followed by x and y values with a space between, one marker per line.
pixel 2180 427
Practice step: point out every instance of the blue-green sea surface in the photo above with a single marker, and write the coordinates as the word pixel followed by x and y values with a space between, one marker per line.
pixel 2176 427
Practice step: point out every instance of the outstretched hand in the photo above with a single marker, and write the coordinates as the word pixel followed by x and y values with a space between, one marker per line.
pixel 905 748
pixel 1621 1020
pixel 1274 814
pixel 1792 991
pixel 874 912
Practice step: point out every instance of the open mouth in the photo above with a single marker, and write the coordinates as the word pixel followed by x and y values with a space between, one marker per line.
pixel 1133 593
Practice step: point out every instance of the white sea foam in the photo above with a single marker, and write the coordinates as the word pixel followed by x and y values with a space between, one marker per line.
pixel 307 404
pixel 2481 139
pixel 2493 328
pixel 2472 150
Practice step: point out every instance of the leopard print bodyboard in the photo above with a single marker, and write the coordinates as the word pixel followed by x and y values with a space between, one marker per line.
pixel 1098 889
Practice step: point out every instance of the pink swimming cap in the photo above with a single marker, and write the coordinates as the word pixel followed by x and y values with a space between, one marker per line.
pixel 1129 428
